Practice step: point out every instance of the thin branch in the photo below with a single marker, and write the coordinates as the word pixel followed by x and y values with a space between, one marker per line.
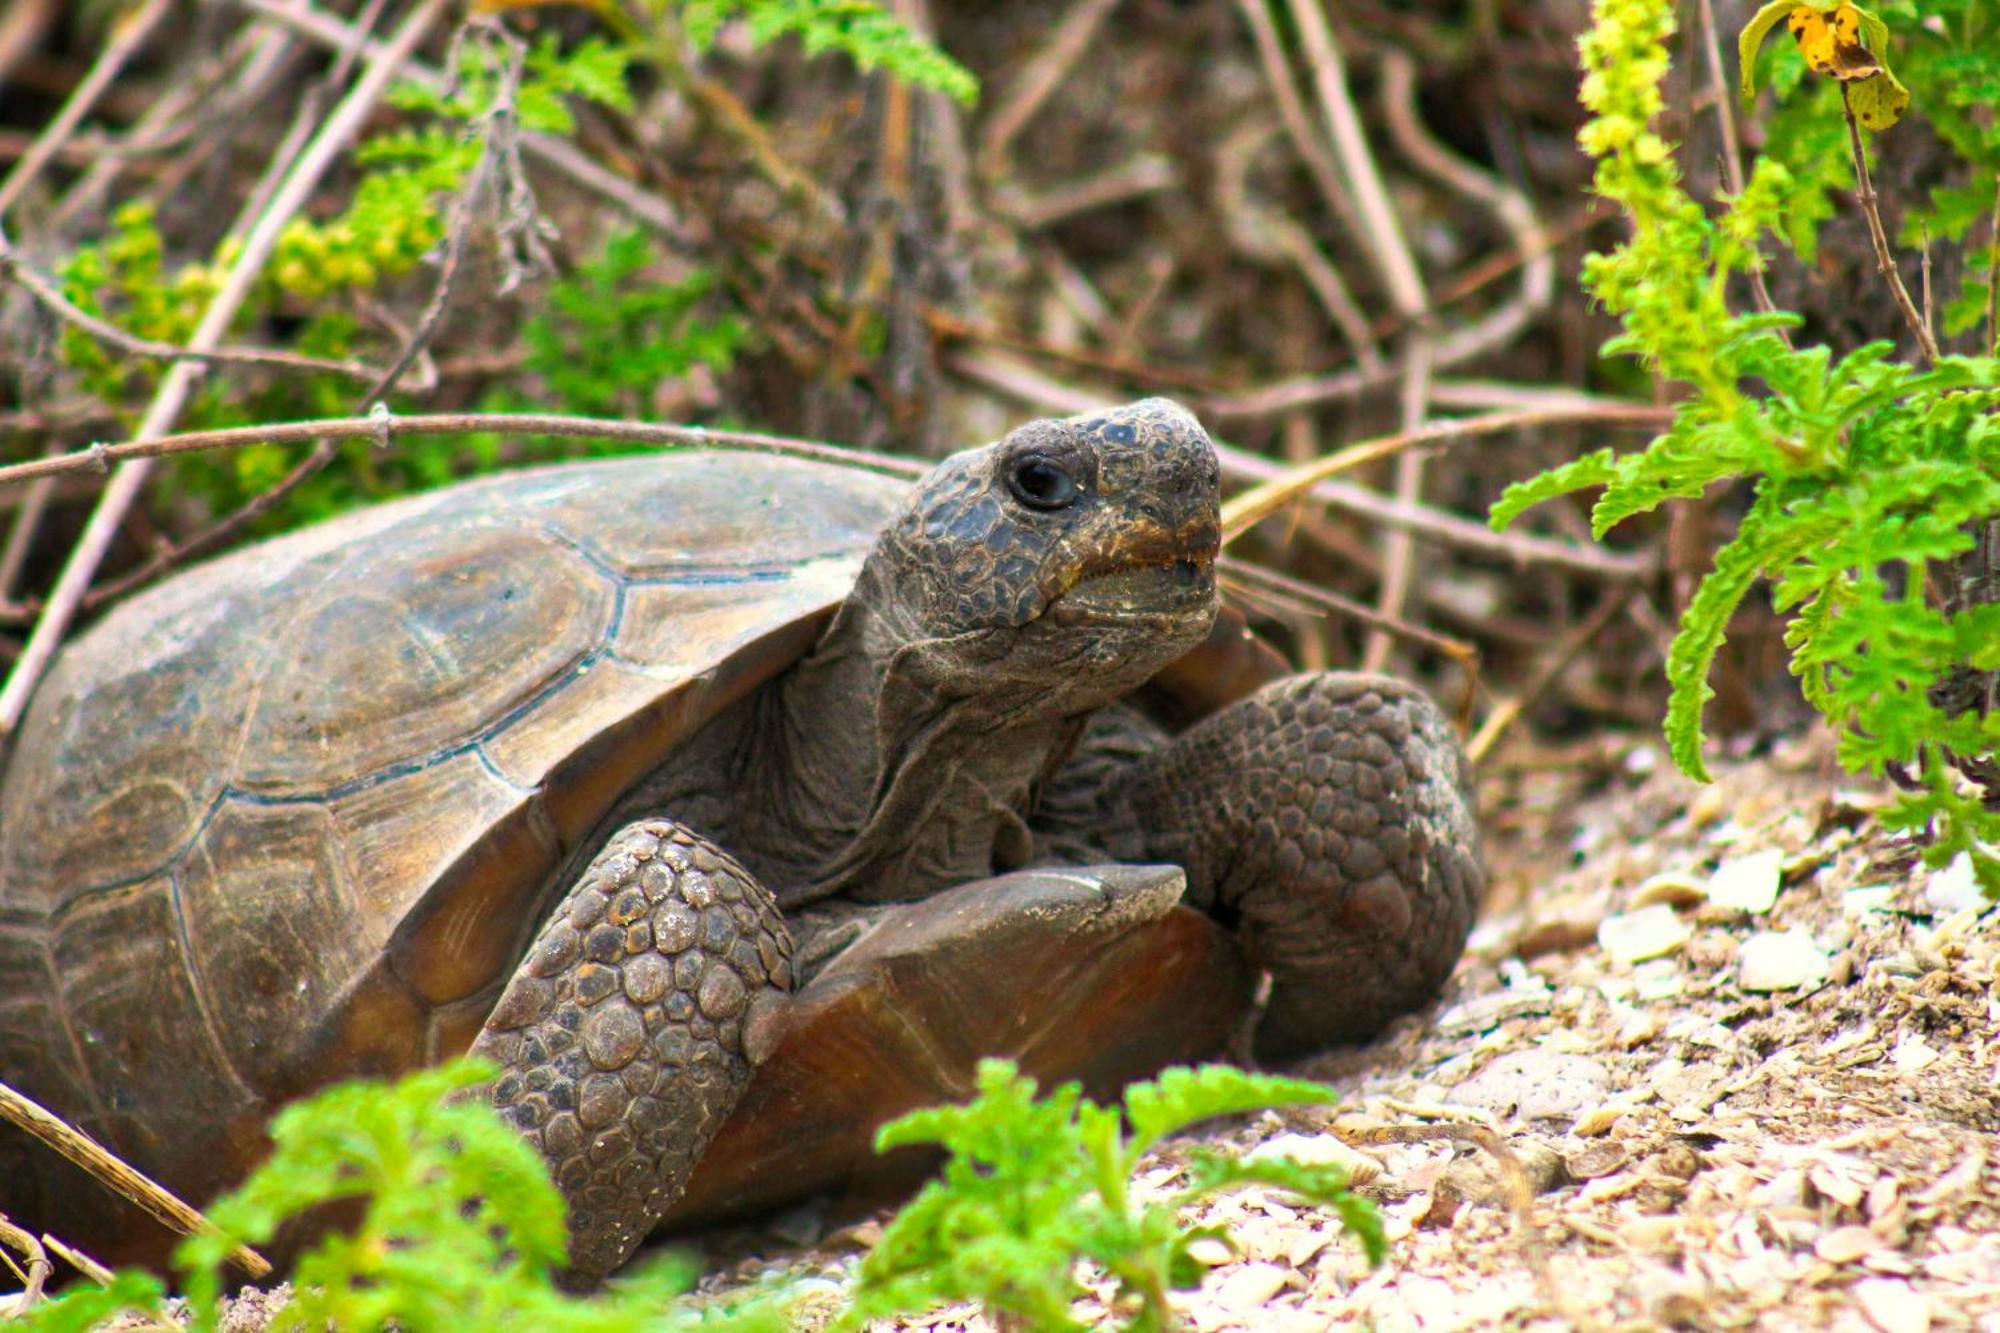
pixel 175 387
pixel 1298 122
pixel 551 150
pixel 1732 146
pixel 323 451
pixel 1039 76
pixel 1136 177
pixel 381 424
pixel 1271 236
pixel 1288 485
pixel 49 296
pixel 1509 711
pixel 105 1167
pixel 189 106
pixel 1455 348
pixel 21 28
pixel 1399 548
pixel 1383 231
pixel 128 35
pixel 1885 259
pixel 80 1261
pixel 1315 598
pixel 21 536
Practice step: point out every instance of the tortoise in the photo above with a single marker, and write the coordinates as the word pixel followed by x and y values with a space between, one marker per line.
pixel 658 779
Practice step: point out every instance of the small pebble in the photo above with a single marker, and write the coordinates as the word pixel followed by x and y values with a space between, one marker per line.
pixel 1843 1245
pixel 1211 1251
pixel 1892 1306
pixel 1912 1053
pixel 1650 932
pixel 1775 960
pixel 1953 888
pixel 1868 898
pixel 1250 1286
pixel 1748 883
pixel 1319 1150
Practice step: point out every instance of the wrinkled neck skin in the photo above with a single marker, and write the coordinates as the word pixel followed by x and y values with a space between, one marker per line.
pixel 886 766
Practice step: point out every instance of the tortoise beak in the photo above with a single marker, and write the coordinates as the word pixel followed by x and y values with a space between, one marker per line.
pixel 1157 571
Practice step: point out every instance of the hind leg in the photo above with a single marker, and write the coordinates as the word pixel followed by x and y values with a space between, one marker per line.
pixel 1327 817
pixel 632 1027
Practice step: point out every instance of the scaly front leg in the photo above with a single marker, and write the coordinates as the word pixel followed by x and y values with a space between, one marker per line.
pixel 1328 817
pixel 632 1026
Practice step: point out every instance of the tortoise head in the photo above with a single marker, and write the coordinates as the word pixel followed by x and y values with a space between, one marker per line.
pixel 1074 555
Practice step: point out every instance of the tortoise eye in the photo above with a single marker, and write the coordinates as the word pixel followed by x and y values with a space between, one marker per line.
pixel 1042 483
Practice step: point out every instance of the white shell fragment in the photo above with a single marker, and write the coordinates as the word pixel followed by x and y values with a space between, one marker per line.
pixel 1747 883
pixel 1320 1150
pixel 1774 960
pixel 1650 932
pixel 1953 888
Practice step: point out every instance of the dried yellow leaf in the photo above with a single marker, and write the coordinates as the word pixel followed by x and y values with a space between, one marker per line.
pixel 1831 42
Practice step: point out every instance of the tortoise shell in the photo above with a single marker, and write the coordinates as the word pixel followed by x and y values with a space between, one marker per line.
pixel 369 747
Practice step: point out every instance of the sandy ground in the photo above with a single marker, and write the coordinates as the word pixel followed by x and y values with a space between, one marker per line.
pixel 1741 1048
pixel 1738 1046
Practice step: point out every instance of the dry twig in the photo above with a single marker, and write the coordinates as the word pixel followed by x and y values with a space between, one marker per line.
pixel 174 388
pixel 36 1276
pixel 1508 711
pixel 383 425
pixel 128 35
pixel 49 296
pixel 551 150
pixel 1040 75
pixel 1245 511
pixel 116 1175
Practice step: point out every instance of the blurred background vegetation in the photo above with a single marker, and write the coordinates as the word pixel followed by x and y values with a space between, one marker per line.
pixel 909 226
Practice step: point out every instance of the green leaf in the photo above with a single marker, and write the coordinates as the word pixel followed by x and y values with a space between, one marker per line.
pixel 1704 626
pixel 1321 1183
pixel 1751 39
pixel 1598 469
pixel 1180 1097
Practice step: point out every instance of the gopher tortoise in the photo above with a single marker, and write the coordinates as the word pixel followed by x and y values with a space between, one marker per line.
pixel 638 776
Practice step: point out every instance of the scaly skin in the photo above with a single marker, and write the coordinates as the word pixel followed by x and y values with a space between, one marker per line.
pixel 632 1027
pixel 1327 817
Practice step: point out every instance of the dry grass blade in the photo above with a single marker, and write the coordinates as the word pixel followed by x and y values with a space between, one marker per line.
pixel 77 1259
pixel 117 1175
pixel 1243 512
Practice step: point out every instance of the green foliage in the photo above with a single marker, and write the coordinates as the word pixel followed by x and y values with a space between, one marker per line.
pixel 1033 1186
pixel 860 30
pixel 459 1227
pixel 607 339
pixel 319 275
pixel 1865 472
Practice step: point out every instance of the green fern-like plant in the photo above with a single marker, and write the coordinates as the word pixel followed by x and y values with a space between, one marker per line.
pixel 1866 473
pixel 459 1228
pixel 864 32
pixel 1035 1186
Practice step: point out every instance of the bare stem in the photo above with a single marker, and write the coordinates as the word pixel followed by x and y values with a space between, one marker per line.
pixel 128 35
pixel 1732 145
pixel 1885 259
